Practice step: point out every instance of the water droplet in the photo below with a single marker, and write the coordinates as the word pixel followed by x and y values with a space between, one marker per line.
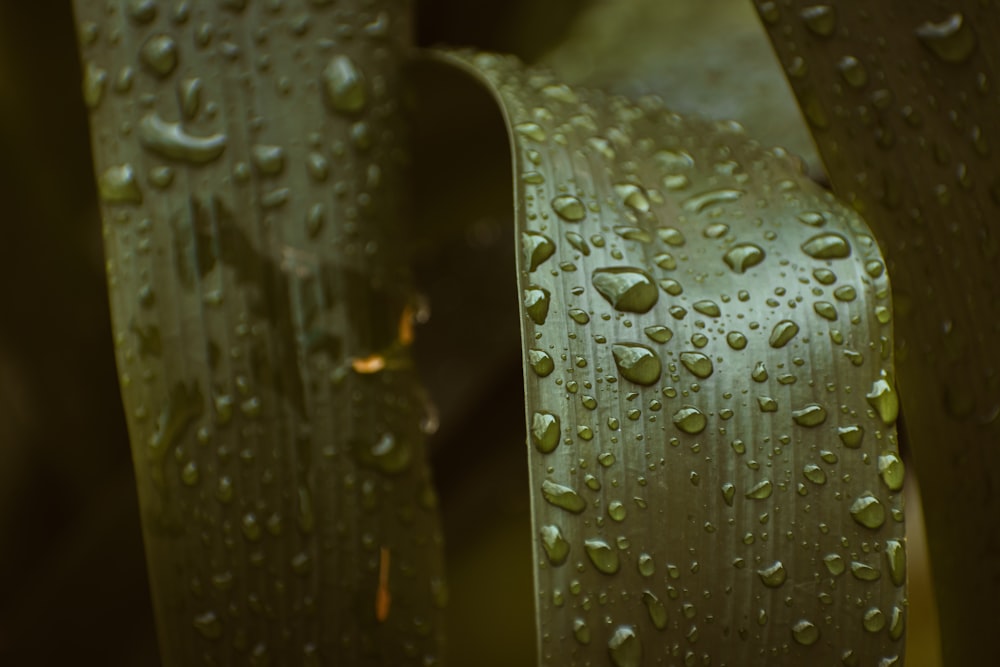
pixel 170 140
pixel 700 202
pixel 707 307
pixel 626 288
pixel 690 420
pixel 581 631
pixel 820 19
pixel 895 556
pixel 537 248
pixel 759 372
pixel 344 85
pixel 569 208
pixel 536 303
pixel 671 236
pixel 95 80
pixel 579 316
pixel 555 545
pixel 616 510
pixel 868 511
pixel 744 256
pixel 161 177
pixel 673 160
pixel 853 71
pixel 208 625
pixel 773 575
pixel 811 415
pixel 814 473
pixel 602 555
pixel 563 497
pixel 142 11
pixel 890 468
pixel 545 431
pixel 834 564
pixel 851 436
pixel 783 331
pixel 270 160
pixel 118 185
pixel 189 92
pixel 634 197
pixel 760 490
pixel 659 333
pixel 884 400
pixel 159 54
pixel 805 633
pixel 387 453
pixel 657 612
pixel 874 620
pixel 826 310
pixel 736 340
pixel 540 362
pixel 697 363
pixel 532 131
pixel 864 571
pixel 952 40
pixel 624 647
pixel 578 243
pixel 812 218
pixel 189 473
pixel 637 363
pixel 827 246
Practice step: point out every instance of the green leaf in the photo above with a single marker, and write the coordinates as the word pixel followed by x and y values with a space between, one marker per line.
pixel 253 200
pixel 903 106
pixel 708 374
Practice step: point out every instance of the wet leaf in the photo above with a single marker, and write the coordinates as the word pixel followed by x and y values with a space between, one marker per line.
pixel 670 488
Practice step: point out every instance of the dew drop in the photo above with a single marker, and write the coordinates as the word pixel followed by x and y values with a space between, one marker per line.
pixel 159 54
pixel 697 363
pixel 826 310
pixel 555 545
pixel 783 331
pixel 569 208
pixel 700 202
pixel 624 647
pixel 868 511
pixel 853 71
pixel 545 431
pixel 814 473
pixel 820 19
pixel 736 340
pixel 633 196
pixel 602 555
pixel 118 185
pixel 884 400
pixel 537 248
pixel 536 303
pixel 890 469
pixel 952 40
pixel 270 160
pixel 827 246
pixel 759 372
pixel 811 415
pixel 637 363
pixel 805 633
pixel 563 497
pixel 743 256
pixel 344 85
pixel 657 612
pixel 581 631
pixel 834 564
pixel 707 307
pixel 626 288
pixel 690 420
pixel 760 490
pixel 95 80
pixel 659 333
pixel 773 575
pixel 851 436
pixel 874 620
pixel 170 140
pixel 532 131
pixel 540 362
pixel 208 625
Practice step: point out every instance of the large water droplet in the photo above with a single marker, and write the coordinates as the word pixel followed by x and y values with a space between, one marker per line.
pixel 697 363
pixel 545 431
pixel 624 647
pixel 773 575
pixel 170 140
pixel 895 556
pixel 868 511
pixel 657 612
pixel 890 469
pixel 690 420
pixel 951 40
pixel 540 362
pixel 884 400
pixel 805 632
pixel 637 363
pixel 581 631
pixel 827 246
pixel 563 497
pixel 783 331
pixel 536 303
pixel 537 248
pixel 744 256
pixel 760 490
pixel 627 288
pixel 811 415
pixel 555 545
pixel 634 197
pixel 118 185
pixel 602 555
pixel 159 54
pixel 569 208
pixel 344 85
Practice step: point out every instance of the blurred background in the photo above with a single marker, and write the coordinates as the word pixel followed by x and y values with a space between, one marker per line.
pixel 72 573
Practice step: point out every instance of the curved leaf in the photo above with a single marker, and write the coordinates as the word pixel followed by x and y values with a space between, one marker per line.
pixel 902 102
pixel 252 196
pixel 710 404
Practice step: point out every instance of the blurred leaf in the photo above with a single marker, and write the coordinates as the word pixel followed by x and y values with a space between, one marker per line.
pixel 902 101
pixel 708 372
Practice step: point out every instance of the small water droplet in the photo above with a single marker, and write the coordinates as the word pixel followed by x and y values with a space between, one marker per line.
pixel 697 363
pixel 868 511
pixel 270 160
pixel 637 363
pixel 826 310
pixel 853 71
pixel 581 631
pixel 773 575
pixel 344 85
pixel 690 419
pixel 884 400
pixel 700 202
pixel 760 490
pixel 545 431
pixel 170 140
pixel 759 372
pixel 159 54
pixel 744 256
pixel 95 80
pixel 783 331
pixel 532 131
pixel 851 436
pixel 811 415
pixel 633 196
pixel 536 303
pixel 118 185
pixel 707 307
pixel 827 246
pixel 624 647
pixel 951 40
pixel 208 625
pixel 820 19
pixel 602 555
pixel 541 362
pixel 555 545
pixel 569 208
pixel 834 564
pixel 814 473
pixel 890 469
pixel 895 556
pixel 874 620
pixel 657 612
pixel 563 497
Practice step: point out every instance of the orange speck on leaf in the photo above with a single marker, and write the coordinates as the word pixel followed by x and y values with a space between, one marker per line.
pixel 382 597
